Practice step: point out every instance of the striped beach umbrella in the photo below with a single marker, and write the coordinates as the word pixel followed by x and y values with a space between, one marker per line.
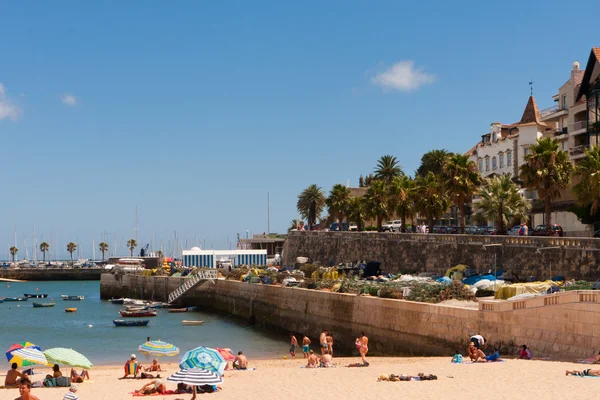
pixel 28 356
pixel 226 354
pixel 196 377
pixel 158 348
pixel 17 346
pixel 69 357
pixel 203 358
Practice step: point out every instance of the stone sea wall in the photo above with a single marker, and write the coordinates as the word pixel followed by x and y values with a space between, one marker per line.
pixel 565 325
pixel 52 274
pixel 577 258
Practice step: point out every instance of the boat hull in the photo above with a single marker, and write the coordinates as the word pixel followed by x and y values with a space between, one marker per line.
pixel 35 295
pixel 191 323
pixel 72 298
pixel 72 309
pixel 41 305
pixel 177 310
pixel 117 301
pixel 16 299
pixel 129 314
pixel 120 322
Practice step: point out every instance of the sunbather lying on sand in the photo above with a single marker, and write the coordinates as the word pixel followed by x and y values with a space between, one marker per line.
pixel 395 378
pixel 585 372
pixel 79 378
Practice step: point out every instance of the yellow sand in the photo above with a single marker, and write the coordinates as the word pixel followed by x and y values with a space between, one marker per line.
pixel 284 379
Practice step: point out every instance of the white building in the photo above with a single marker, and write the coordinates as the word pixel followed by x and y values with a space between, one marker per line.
pixel 195 257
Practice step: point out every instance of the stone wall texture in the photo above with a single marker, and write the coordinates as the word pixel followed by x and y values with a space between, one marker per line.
pixel 565 325
pixel 407 252
pixel 52 274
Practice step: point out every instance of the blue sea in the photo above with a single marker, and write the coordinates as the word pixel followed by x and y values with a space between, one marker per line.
pixel 103 342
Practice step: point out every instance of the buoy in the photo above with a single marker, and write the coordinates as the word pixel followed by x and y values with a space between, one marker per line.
pixel 36 289
pixel 90 326
pixel 18 305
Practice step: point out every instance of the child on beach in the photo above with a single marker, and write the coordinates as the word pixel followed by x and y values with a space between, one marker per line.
pixel 305 346
pixel 458 358
pixel 293 345
pixel 525 353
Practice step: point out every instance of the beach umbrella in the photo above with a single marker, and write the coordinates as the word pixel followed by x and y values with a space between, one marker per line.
pixel 204 358
pixel 28 356
pixel 69 357
pixel 17 346
pixel 158 348
pixel 226 354
pixel 195 377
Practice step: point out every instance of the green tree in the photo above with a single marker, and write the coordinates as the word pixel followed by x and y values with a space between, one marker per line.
pixel 401 198
pixel 103 248
pixel 387 168
pixel 337 203
pixel 159 254
pixel 44 247
pixel 462 180
pixel 357 211
pixel 587 190
pixel 13 252
pixel 311 203
pixel 500 201
pixel 433 161
pixel 71 247
pixel 431 199
pixel 376 202
pixel 548 170
pixel 131 244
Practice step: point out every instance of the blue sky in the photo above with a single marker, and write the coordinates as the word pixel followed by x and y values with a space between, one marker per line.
pixel 192 111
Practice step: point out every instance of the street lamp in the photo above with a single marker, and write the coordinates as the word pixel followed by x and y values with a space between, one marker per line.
pixel 539 251
pixel 485 246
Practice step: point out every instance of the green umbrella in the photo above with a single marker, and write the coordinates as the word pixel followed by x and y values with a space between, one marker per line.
pixel 69 357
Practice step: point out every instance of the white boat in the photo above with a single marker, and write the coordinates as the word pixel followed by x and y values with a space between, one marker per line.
pixel 188 322
pixel 133 302
pixel 76 298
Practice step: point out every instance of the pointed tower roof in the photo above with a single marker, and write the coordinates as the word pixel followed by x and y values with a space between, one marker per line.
pixel 531 115
pixel 591 73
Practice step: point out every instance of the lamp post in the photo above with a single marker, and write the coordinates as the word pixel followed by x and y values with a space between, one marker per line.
pixel 485 246
pixel 539 251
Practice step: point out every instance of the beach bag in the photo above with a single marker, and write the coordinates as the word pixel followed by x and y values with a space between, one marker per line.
pixel 63 381
pixel 50 382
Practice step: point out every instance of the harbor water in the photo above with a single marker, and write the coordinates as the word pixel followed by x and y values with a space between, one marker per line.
pixel 91 331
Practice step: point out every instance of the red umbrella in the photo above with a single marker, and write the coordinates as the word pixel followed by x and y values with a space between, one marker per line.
pixel 226 354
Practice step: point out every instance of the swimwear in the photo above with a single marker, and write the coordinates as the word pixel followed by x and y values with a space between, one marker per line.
pixel 586 372
pixel 293 349
pixel 324 345
pixel 493 357
pixel 305 348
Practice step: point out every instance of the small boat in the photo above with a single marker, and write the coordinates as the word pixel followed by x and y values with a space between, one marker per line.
pixel 136 308
pixel 188 322
pixel 117 301
pixel 2 300
pixel 141 313
pixel 16 299
pixel 35 296
pixel 120 322
pixel 156 304
pixel 72 309
pixel 176 310
pixel 133 302
pixel 71 298
pixel 38 305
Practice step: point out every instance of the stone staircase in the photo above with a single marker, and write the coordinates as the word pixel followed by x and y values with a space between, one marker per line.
pixel 191 283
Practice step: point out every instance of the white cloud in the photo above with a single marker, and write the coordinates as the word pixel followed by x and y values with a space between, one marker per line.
pixel 403 76
pixel 69 99
pixel 8 110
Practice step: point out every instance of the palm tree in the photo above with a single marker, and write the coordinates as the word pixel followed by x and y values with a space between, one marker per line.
pixel 462 180
pixel 357 212
pixel 387 168
pixel 71 247
pixel 431 199
pixel 44 247
pixel 500 201
pixel 13 252
pixel 376 202
pixel 337 203
pixel 547 169
pixel 159 254
pixel 103 248
pixel 311 203
pixel 401 198
pixel 131 244
pixel 433 161
pixel 587 190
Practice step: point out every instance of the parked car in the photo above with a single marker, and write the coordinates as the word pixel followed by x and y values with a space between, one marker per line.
pixel 396 225
pixel 555 230
pixel 453 229
pixel 387 227
pixel 335 226
pixel 437 228
pixel 352 227
pixel 490 230
pixel 471 230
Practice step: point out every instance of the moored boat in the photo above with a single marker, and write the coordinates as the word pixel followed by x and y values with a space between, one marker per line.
pixel 177 310
pixel 38 305
pixel 188 322
pixel 134 302
pixel 16 299
pixel 71 309
pixel 72 298
pixel 141 313
pixel 136 308
pixel 121 322
pixel 35 295
pixel 117 301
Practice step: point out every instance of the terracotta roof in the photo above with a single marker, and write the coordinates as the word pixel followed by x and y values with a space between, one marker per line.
pixel 531 113
pixel 470 152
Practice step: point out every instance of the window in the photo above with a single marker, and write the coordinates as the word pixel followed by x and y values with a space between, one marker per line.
pixel 501 159
pixel 525 151
pixel 487 163
pixel 494 163
pixel 509 158
pixel 480 164
pixel 564 102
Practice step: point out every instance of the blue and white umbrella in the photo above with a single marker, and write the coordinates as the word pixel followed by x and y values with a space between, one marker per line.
pixel 204 358
pixel 196 377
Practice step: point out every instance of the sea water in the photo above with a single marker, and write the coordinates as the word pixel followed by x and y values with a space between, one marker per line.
pixel 91 331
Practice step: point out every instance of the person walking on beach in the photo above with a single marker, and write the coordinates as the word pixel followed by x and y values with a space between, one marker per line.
pixel 293 345
pixel 362 344
pixel 329 340
pixel 305 346
pixel 323 341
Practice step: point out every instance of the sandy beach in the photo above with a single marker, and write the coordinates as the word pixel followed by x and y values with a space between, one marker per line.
pixel 286 379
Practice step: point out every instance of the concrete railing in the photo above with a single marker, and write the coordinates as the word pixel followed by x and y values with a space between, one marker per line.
pixel 575 296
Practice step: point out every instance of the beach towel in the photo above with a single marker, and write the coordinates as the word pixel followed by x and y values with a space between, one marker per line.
pixel 168 392
pixel 473 362
pixel 585 376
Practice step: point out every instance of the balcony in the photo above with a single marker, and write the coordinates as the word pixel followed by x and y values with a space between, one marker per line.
pixel 578 128
pixel 552 112
pixel 578 152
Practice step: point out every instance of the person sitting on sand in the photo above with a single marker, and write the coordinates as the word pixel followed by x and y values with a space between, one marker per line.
pixel 55 372
pixel 305 346
pixel 458 358
pixel 475 354
pixel 478 340
pixel 183 388
pixel 154 367
pixel 78 378
pixel 154 386
pixel 525 353
pixel 71 394
pixel 132 361
pixel 240 362
pixel 493 357
pixel 25 390
pixel 326 361
pixel 585 372
pixel 313 360
pixel 13 376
